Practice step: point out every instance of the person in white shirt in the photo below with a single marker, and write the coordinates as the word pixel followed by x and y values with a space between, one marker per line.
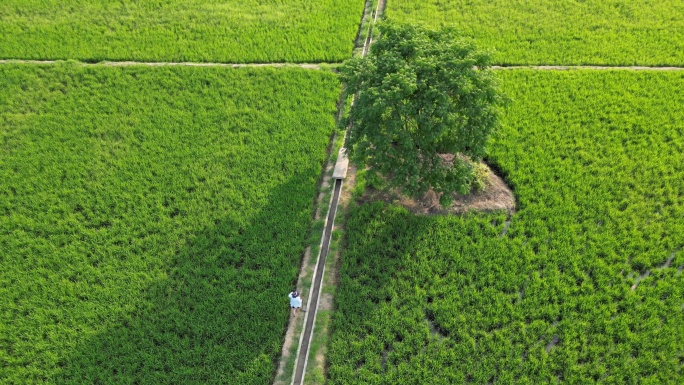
pixel 295 302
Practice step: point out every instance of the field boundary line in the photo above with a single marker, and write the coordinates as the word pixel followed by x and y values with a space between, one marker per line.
pixel 311 66
pixel 318 66
pixel 587 67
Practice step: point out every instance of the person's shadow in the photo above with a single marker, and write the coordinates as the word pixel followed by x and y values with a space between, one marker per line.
pixel 219 316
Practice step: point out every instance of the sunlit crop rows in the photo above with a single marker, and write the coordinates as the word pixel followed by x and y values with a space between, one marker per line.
pixel 586 286
pixel 236 31
pixel 603 32
pixel 152 220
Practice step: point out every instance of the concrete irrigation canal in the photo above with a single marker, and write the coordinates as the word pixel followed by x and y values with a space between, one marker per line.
pixel 339 174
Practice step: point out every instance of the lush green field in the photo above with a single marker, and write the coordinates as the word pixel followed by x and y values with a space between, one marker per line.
pixel 597 163
pixel 177 30
pixel 609 32
pixel 152 220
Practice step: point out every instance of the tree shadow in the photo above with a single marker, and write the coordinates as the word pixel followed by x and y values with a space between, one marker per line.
pixel 220 314
pixel 404 282
pixel 375 253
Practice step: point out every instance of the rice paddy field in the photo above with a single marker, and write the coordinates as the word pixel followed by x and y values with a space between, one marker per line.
pixel 551 32
pixel 237 31
pixel 152 218
pixel 585 285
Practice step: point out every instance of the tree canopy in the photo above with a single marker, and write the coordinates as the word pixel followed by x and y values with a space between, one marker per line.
pixel 426 102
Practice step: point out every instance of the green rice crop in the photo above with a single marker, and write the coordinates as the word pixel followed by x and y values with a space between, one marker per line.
pixel 594 32
pixel 586 285
pixel 152 220
pixel 238 31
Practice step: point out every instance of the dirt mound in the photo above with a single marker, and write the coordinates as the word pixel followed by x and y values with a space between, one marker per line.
pixel 496 196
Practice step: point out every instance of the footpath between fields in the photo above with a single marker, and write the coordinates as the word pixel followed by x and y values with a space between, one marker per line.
pixel 318 66
pixel 310 66
pixel 307 364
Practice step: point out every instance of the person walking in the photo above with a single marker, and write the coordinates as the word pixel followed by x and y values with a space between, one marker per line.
pixel 295 302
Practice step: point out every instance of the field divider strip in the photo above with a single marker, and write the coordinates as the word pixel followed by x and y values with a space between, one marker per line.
pixel 318 66
pixel 587 67
pixel 312 66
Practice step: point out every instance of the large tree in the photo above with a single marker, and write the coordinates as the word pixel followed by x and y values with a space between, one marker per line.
pixel 426 101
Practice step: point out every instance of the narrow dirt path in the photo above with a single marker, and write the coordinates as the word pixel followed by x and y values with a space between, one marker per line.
pixel 316 288
pixel 311 66
pixel 285 368
pixel 318 66
pixel 318 299
pixel 563 68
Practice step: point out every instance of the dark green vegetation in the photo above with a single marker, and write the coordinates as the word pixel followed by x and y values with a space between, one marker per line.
pixel 421 94
pixel 610 32
pixel 177 30
pixel 152 220
pixel 586 286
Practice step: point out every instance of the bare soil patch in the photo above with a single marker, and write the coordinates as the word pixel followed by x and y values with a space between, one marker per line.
pixel 326 301
pixel 496 196
pixel 349 183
